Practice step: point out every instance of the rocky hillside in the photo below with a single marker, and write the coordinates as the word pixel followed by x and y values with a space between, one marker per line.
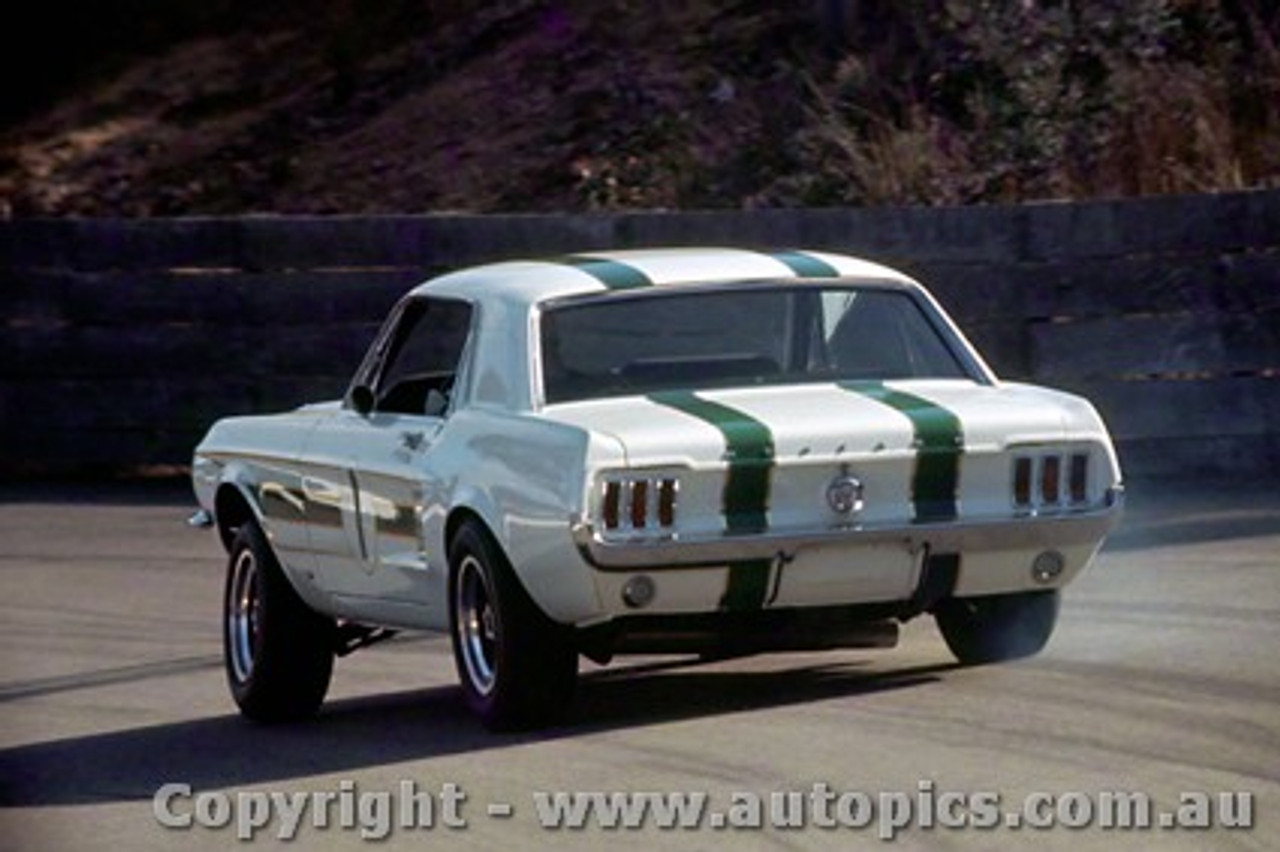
pixel 168 107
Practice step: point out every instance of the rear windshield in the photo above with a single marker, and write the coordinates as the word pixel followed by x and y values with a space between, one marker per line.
pixel 670 340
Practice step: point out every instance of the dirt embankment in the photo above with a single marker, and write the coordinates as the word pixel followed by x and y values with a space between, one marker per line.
pixel 331 106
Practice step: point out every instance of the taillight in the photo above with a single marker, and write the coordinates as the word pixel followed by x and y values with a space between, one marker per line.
pixel 609 505
pixel 1079 481
pixel 1022 482
pixel 637 503
pixel 667 502
pixel 1051 479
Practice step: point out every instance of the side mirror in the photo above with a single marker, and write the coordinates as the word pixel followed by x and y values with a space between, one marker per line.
pixel 362 400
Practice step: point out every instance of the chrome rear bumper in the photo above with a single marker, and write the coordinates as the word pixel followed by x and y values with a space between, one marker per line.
pixel 1061 528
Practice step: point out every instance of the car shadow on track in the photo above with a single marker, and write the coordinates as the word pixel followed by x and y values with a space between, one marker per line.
pixel 368 731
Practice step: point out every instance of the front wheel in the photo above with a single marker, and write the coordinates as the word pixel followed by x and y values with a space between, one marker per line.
pixel 518 667
pixel 278 651
pixel 997 628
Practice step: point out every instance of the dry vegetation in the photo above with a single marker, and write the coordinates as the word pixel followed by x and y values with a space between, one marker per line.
pixel 166 107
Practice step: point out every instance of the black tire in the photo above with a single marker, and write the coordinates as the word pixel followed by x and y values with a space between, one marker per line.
pixel 518 668
pixel 278 652
pixel 998 628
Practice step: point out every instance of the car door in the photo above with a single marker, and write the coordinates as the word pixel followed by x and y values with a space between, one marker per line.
pixel 373 462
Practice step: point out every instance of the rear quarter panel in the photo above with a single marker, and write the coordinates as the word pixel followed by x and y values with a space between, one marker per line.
pixel 525 478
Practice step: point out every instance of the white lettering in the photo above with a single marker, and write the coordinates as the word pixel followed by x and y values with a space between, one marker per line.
pixel 162 805
pixel 253 811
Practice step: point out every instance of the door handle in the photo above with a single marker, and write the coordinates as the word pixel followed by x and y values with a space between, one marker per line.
pixel 412 441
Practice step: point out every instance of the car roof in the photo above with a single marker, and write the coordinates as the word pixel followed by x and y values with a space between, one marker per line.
pixel 532 281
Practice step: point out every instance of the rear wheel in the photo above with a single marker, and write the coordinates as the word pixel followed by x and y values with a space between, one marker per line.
pixel 518 667
pixel 278 651
pixel 997 628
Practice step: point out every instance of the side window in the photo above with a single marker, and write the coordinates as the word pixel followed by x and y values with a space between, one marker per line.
pixel 882 335
pixel 422 361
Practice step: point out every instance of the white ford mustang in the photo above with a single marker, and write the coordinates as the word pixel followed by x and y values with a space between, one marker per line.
pixel 707 451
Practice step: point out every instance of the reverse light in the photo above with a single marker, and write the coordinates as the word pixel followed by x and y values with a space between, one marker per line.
pixel 1047 567
pixel 639 591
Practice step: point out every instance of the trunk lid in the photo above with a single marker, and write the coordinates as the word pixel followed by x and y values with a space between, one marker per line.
pixel 748 459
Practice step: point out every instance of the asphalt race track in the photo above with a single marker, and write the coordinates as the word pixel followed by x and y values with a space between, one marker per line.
pixel 1162 680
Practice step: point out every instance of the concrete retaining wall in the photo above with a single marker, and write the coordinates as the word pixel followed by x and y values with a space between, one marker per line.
pixel 124 339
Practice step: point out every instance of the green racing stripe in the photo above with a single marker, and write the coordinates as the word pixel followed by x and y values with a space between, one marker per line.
pixel 610 273
pixel 939 443
pixel 806 266
pixel 748 585
pixel 745 500
pixel 621 276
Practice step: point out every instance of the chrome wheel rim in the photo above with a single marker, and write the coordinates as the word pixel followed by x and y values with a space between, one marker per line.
pixel 244 610
pixel 476 625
